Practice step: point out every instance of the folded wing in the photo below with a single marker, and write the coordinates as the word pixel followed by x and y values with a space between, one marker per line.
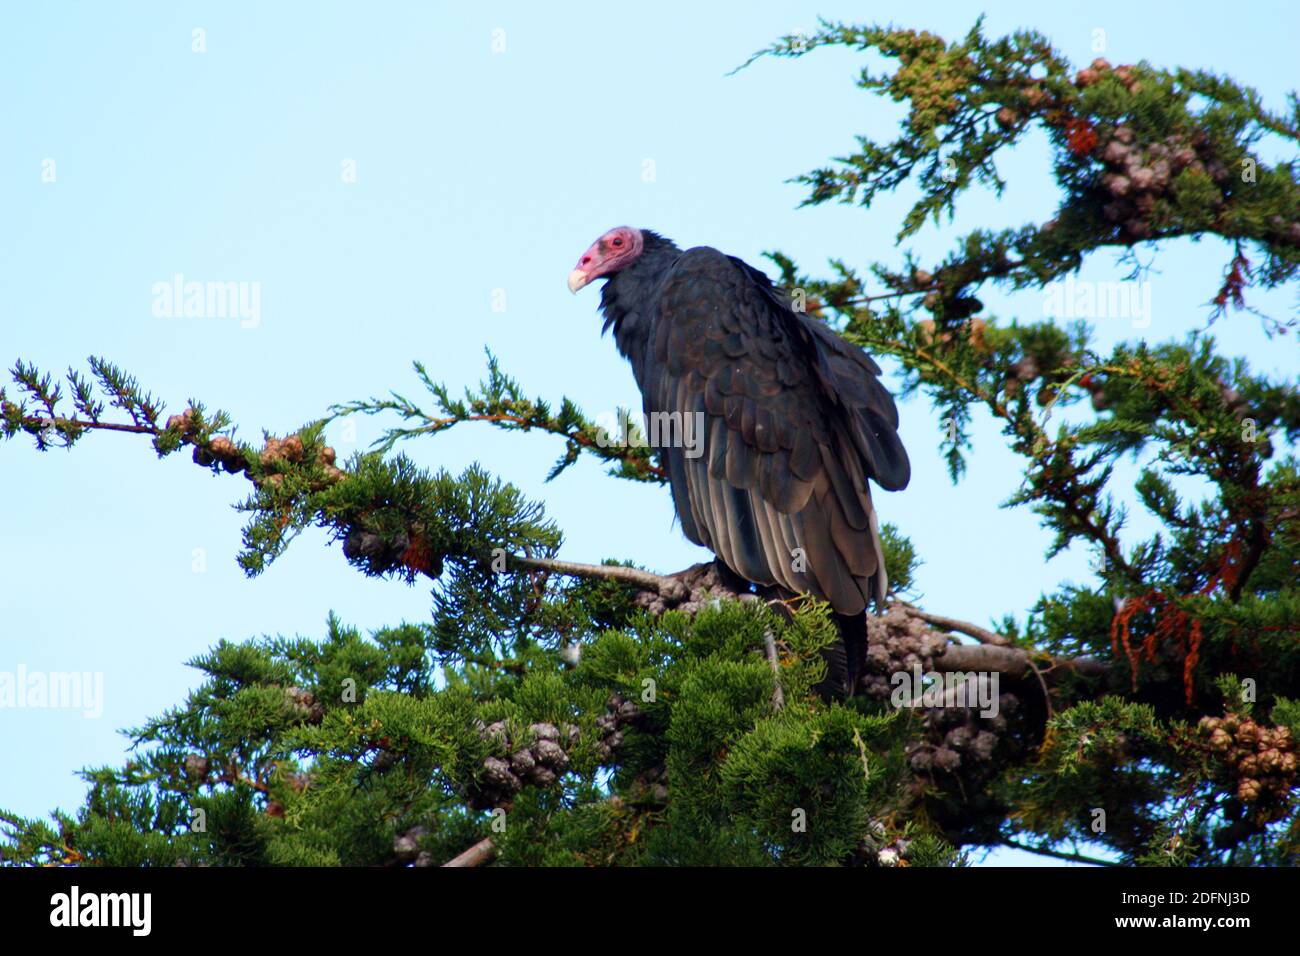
pixel 795 421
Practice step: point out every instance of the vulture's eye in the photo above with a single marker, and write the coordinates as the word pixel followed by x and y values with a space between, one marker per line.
pixel 618 242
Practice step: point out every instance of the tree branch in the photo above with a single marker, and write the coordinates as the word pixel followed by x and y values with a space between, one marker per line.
pixel 667 587
pixel 1012 661
pixel 769 646
pixel 961 627
pixel 480 853
pixel 1058 854
pixel 34 423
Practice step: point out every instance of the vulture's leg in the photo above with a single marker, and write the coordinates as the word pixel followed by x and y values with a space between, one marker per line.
pixel 853 643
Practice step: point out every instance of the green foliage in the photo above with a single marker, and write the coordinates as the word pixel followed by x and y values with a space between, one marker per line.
pixel 591 717
pixel 1098 754
pixel 900 558
pixel 501 402
pixel 300 752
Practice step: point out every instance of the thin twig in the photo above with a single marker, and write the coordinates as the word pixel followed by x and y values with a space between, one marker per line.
pixel 1042 681
pixel 961 627
pixel 1058 854
pixel 666 587
pixel 769 644
pixel 44 422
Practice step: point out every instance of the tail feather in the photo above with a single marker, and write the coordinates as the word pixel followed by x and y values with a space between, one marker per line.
pixel 846 659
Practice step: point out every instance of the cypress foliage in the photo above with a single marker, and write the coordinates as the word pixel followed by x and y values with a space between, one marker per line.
pixel 551 713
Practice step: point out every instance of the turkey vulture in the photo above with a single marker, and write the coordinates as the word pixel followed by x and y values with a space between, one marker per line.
pixel 794 421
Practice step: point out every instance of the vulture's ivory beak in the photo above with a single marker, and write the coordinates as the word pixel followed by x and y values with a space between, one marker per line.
pixel 577 279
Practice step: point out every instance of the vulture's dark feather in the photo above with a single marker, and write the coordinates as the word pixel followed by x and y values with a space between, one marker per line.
pixel 796 422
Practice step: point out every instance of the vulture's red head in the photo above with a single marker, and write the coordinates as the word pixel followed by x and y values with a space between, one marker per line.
pixel 613 251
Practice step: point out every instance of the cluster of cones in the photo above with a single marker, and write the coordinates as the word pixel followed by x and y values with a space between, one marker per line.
pixel 277 452
pixel 1257 761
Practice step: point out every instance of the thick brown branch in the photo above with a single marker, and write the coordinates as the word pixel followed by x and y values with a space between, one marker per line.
pixel 1012 662
pixel 481 852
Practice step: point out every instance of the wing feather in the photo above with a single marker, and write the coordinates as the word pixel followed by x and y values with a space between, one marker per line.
pixel 796 423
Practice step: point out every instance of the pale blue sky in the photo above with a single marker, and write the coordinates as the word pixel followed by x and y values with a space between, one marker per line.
pixel 476 171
